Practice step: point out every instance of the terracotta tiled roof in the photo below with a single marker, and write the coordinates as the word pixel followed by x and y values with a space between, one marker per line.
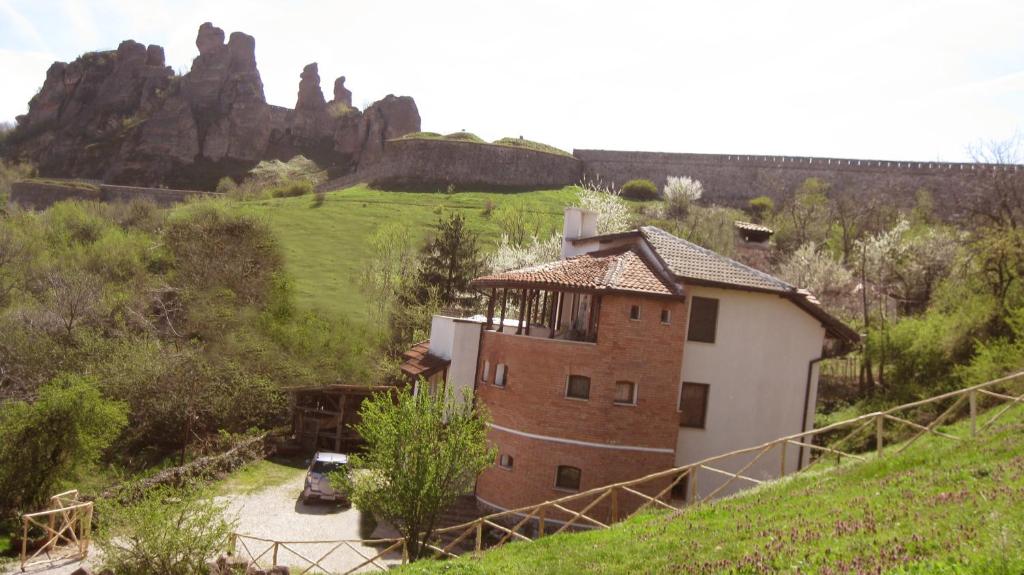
pixel 624 270
pixel 689 261
pixel 419 363
pixel 752 227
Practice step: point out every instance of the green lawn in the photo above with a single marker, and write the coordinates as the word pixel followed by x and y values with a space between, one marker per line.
pixel 326 246
pixel 260 475
pixel 940 507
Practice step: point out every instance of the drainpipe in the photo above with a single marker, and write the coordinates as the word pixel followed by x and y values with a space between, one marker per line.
pixel 807 401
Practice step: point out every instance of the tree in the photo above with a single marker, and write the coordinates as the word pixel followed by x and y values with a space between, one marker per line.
pixel 815 269
pixel 72 296
pixel 761 208
pixel 168 531
pixel 518 224
pixel 449 261
pixel 612 211
pixel 509 256
pixel 422 452
pixel 805 217
pixel 49 442
pixel 394 258
pixel 680 192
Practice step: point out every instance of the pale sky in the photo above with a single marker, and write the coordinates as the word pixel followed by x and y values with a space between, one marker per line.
pixel 863 79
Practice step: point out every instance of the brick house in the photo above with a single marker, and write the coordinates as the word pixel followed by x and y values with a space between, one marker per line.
pixel 636 352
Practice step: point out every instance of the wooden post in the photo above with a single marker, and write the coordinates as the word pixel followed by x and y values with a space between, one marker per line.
pixel 405 552
pixel 87 528
pixel 490 308
pixel 522 308
pixel 782 463
pixel 551 314
pixel 479 536
pixel 273 560
pixel 973 399
pixel 693 485
pixel 540 521
pixel 24 541
pixel 879 430
pixel 232 541
pixel 51 521
pixel 529 309
pixel 504 300
pixel 341 423
pixel 615 505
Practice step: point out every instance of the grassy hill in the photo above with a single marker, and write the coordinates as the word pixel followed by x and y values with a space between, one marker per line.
pixel 940 507
pixel 326 246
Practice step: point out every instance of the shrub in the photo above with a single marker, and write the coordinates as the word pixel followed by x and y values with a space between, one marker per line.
pixel 292 189
pixel 48 443
pixel 319 197
pixel 226 186
pixel 761 208
pixel 680 193
pixel 170 532
pixel 488 209
pixel 640 189
pixel 531 145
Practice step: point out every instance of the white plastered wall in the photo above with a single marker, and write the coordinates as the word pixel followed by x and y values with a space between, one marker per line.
pixel 457 340
pixel 757 372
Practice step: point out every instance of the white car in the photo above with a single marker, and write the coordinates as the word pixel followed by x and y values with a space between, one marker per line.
pixel 318 482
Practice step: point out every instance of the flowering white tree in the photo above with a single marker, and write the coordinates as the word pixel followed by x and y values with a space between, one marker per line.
pixel 680 192
pixel 612 211
pixel 509 256
pixel 816 269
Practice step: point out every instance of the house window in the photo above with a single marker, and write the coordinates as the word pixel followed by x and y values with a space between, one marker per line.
pixel 506 461
pixel 703 319
pixel 625 393
pixel 501 375
pixel 693 404
pixel 666 316
pixel 568 478
pixel 486 372
pixel 634 312
pixel 578 387
pixel 681 489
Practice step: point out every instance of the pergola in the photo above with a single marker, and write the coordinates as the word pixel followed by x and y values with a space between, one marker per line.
pixel 323 415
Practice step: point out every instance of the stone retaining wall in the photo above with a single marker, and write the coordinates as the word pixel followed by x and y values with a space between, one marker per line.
pixel 41 195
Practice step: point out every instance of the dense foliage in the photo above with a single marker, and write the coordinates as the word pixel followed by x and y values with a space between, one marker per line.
pixel 640 189
pixel 47 444
pixel 170 532
pixel 423 451
pixel 186 318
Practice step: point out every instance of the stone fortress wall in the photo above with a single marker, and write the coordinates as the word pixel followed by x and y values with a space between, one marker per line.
pixel 41 195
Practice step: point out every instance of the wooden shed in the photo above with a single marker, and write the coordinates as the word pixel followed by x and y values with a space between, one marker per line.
pixel 323 415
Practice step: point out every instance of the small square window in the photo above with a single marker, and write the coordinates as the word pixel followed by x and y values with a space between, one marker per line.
pixel 568 478
pixel 693 405
pixel 578 387
pixel 681 489
pixel 666 316
pixel 634 312
pixel 703 319
pixel 625 393
pixel 501 375
pixel 506 461
pixel 486 372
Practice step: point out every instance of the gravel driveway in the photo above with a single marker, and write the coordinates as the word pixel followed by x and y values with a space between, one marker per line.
pixel 275 513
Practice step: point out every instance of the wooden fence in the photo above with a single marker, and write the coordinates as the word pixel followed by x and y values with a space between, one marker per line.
pixel 66 527
pixel 372 554
pixel 602 506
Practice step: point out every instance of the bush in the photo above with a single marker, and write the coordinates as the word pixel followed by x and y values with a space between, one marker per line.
pixel 680 193
pixel 640 189
pixel 761 208
pixel 169 532
pixel 46 444
pixel 292 189
pixel 226 186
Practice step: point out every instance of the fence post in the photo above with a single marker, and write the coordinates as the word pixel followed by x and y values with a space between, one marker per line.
pixel 782 463
pixel 24 541
pixel 540 521
pixel 693 485
pixel 879 430
pixel 479 535
pixel 615 505
pixel 973 399
pixel 405 552
pixel 273 560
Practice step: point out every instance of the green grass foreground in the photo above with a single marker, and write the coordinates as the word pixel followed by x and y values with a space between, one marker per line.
pixel 941 507
pixel 260 475
pixel 325 247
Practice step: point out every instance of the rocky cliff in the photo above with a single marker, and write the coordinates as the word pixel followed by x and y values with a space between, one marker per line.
pixel 124 117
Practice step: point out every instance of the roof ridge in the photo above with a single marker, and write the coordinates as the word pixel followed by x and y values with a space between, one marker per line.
pixel 738 265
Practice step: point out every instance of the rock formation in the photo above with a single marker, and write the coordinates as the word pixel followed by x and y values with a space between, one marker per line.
pixel 123 116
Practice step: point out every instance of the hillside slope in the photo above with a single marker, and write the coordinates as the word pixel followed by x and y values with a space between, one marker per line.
pixel 326 247
pixel 940 507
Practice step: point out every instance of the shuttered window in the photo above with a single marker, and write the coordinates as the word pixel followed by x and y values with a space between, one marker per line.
pixel 578 387
pixel 703 319
pixel 693 404
pixel 568 478
pixel 625 393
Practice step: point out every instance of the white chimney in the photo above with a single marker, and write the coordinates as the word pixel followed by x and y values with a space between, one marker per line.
pixel 577 223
